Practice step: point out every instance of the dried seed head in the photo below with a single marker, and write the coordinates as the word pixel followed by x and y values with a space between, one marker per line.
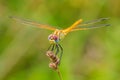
pixel 52 57
pixel 53 66
pixel 49 53
pixel 57 61
pixel 54 60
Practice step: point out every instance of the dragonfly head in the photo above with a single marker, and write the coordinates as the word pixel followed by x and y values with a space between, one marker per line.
pixel 53 38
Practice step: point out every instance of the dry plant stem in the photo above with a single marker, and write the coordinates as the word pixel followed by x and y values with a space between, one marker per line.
pixel 59 74
pixel 54 63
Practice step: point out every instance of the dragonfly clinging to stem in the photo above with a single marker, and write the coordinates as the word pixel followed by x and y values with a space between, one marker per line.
pixel 59 34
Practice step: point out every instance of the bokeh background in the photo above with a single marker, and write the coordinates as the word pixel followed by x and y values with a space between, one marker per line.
pixel 88 55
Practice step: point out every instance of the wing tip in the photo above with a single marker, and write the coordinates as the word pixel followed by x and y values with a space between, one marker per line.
pixel 11 17
pixel 108 25
pixel 102 19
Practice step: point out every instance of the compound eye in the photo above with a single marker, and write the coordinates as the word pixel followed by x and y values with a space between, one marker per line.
pixel 50 37
pixel 55 37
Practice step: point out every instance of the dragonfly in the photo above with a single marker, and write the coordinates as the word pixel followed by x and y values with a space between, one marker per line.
pixel 59 34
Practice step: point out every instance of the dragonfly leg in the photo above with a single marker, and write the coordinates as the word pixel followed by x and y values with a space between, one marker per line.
pixel 61 51
pixel 57 49
pixel 51 47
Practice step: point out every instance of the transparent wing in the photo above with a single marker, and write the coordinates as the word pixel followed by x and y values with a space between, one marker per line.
pixel 91 27
pixel 43 26
pixel 92 24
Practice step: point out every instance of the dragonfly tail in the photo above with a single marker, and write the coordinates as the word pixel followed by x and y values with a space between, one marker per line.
pixel 73 26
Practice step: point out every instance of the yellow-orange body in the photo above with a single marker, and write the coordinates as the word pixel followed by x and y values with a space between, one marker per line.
pixel 58 35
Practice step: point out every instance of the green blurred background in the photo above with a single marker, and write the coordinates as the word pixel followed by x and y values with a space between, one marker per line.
pixel 88 55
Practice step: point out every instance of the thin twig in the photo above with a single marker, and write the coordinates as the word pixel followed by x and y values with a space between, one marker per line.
pixel 59 74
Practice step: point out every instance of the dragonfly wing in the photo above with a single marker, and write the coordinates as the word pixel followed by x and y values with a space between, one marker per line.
pixel 43 26
pixel 91 27
pixel 92 24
